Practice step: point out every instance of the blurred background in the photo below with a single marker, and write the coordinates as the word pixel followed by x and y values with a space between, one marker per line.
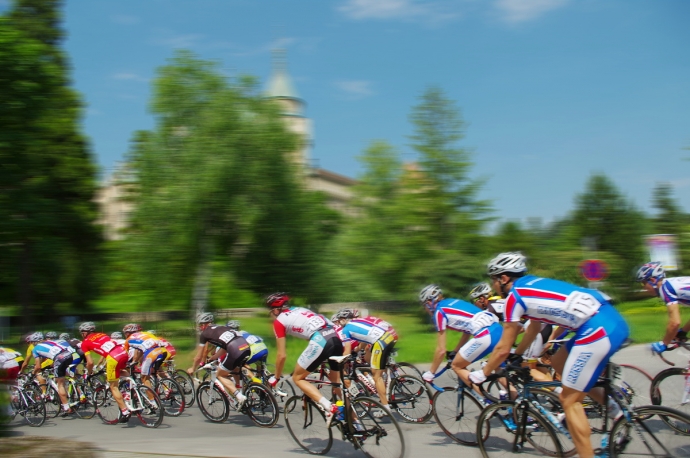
pixel 221 200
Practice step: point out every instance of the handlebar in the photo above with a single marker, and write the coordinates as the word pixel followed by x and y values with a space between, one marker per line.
pixel 672 346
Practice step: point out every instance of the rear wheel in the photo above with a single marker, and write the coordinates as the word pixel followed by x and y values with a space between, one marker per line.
pixel 379 436
pixel 171 397
pixel 52 400
pixel 28 404
pixel 260 405
pixel 668 390
pixel 106 407
pixel 187 384
pixel 648 433
pixel 81 400
pixel 212 402
pixel 307 425
pixel 411 398
pixel 148 406
pixel 456 413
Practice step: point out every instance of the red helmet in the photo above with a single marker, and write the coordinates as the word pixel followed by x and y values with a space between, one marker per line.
pixel 277 300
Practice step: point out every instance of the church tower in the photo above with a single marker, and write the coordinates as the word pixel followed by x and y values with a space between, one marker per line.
pixel 281 89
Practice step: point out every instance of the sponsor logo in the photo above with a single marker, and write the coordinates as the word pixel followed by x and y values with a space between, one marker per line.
pixel 297 329
pixel 556 313
pixel 580 363
pixel 472 348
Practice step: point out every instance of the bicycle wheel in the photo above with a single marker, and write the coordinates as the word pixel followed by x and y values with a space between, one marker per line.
pixel 81 400
pixel 29 405
pixel 307 425
pixel 187 384
pixel 212 402
pixel 668 390
pixel 552 403
pixel 260 405
pixel 648 434
pixel 52 400
pixel 106 407
pixel 407 369
pixel 411 398
pixel 171 396
pixel 282 392
pixel 379 436
pixel 499 436
pixel 635 384
pixel 147 405
pixel 456 413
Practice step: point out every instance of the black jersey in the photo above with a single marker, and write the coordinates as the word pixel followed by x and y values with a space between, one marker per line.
pixel 220 336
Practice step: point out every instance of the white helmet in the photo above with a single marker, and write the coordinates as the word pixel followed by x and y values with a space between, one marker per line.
pixel 64 336
pixel 116 335
pixel 233 324
pixel 511 262
pixel 650 270
pixel 429 292
pixel 206 317
pixel 87 326
pixel 481 289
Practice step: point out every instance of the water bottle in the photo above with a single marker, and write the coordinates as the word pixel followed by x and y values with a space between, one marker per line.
pixel 605 445
pixel 503 395
pixel 340 414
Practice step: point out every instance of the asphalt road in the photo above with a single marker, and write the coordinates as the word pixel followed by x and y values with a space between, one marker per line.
pixel 191 435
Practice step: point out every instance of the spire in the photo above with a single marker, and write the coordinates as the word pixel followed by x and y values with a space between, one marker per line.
pixel 280 85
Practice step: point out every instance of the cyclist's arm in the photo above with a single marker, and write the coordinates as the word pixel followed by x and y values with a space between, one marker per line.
pixel 347 348
pixel 201 351
pixel 463 340
pixel 27 359
pixel 502 349
pixel 673 322
pixel 37 364
pixel 281 356
pixel 440 352
pixel 530 333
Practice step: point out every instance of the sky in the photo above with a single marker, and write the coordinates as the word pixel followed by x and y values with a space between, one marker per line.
pixel 551 91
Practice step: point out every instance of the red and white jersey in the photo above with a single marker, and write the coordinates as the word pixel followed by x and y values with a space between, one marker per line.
pixel 102 345
pixel 299 322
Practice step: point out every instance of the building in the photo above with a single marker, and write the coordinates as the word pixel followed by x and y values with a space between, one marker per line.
pixel 115 208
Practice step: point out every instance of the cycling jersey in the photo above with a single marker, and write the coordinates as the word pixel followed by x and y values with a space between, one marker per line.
pixel 142 341
pixel 495 306
pixel 29 354
pixel 220 336
pixel 258 348
pixel 375 331
pixel 50 349
pixel 298 322
pixel 675 290
pixel 551 301
pixel 168 347
pixel 462 316
pixel 115 355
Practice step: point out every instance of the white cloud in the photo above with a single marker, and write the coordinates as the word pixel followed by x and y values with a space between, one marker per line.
pixel 125 19
pixel 412 10
pixel 129 76
pixel 355 88
pixel 514 11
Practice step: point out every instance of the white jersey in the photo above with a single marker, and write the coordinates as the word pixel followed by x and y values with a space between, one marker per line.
pixel 676 290
pixel 299 322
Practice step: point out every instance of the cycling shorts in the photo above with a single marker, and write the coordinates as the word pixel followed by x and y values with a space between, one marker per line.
pixel 593 345
pixel 152 360
pixel 260 355
pixel 322 345
pixel 114 366
pixel 237 354
pixel 482 344
pixel 381 350
pixel 61 363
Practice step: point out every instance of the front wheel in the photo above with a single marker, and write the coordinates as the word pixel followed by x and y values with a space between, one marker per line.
pixel 307 425
pixel 212 402
pixel 106 406
pixel 668 390
pixel 456 413
pixel 187 384
pixel 260 405
pixel 649 432
pixel 171 396
pixel 81 400
pixel 411 398
pixel 375 430
pixel 148 406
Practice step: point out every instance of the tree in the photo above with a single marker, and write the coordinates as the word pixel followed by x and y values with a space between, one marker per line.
pixel 48 173
pixel 669 218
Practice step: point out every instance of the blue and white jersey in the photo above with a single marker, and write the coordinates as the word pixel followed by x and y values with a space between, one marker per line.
pixel 367 330
pixel 462 316
pixel 676 290
pixel 552 301
pixel 50 349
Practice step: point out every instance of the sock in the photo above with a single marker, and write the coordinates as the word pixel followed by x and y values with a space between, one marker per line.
pixel 240 397
pixel 325 403
pixel 387 407
pixel 65 406
pixel 125 412
pixel 558 389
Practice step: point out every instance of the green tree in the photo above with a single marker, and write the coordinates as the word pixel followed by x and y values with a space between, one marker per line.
pixel 669 217
pixel 48 174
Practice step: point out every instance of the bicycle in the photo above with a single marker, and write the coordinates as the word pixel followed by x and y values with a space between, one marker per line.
pixel 376 437
pixel 215 402
pixel 26 401
pixel 525 425
pixel 283 389
pixel 139 399
pixel 183 379
pixel 671 388
pixel 168 390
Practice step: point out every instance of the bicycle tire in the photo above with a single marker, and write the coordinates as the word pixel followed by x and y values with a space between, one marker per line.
pixel 636 384
pixel 408 369
pixel 645 434
pixel 51 400
pixel 307 425
pixel 106 406
pixel 81 400
pixel 187 384
pixel 212 402
pixel 495 432
pixel 411 398
pixel 379 436
pixel 171 396
pixel 261 406
pixel 29 405
pixel 283 391
pixel 668 389
pixel 457 415
pixel 148 406
pixel 552 403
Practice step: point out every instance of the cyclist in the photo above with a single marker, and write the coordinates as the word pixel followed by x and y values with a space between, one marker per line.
pixel 674 292
pixel 461 316
pixel 10 362
pixel 236 348
pixel 115 361
pixel 483 297
pixel 79 358
pixel 29 356
pixel 369 331
pixel 61 353
pixel 117 337
pixel 599 332
pixel 259 351
pixel 148 351
pixel 323 343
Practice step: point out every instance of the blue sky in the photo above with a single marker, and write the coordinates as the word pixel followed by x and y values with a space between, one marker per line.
pixel 551 90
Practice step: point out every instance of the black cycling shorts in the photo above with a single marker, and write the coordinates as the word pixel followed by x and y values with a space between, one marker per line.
pixel 238 352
